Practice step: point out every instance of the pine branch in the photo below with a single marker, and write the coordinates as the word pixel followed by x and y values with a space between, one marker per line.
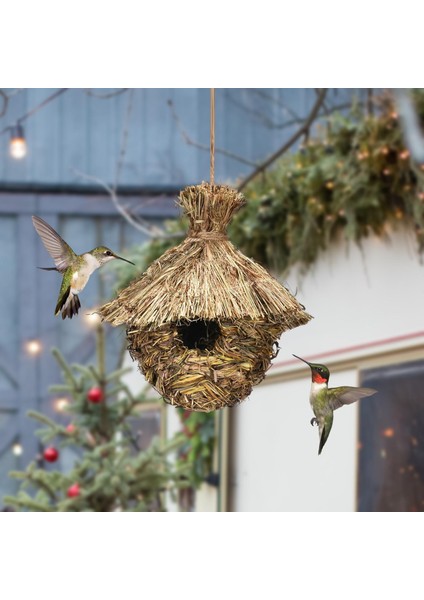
pixel 65 367
pixel 43 419
pixel 28 502
pixel 118 373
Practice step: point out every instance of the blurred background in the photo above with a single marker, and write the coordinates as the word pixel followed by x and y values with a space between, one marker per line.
pixel 334 184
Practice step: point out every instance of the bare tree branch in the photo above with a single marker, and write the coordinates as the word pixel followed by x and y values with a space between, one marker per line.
pixel 260 116
pixel 135 221
pixel 5 100
pixel 301 131
pixel 35 109
pixel 280 103
pixel 205 147
pixel 140 224
pixel 89 92
pixel 324 105
pixel 296 120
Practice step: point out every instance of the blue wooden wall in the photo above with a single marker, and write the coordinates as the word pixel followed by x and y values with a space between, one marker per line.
pixel 78 131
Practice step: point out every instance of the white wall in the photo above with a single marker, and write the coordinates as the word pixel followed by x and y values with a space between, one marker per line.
pixel 358 297
pixel 276 452
pixel 360 302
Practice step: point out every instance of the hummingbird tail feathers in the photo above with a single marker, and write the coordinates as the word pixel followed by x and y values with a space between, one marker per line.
pixel 69 304
pixel 47 268
pixel 325 428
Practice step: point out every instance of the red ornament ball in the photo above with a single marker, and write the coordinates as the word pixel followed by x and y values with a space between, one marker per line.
pixel 73 491
pixel 70 428
pixel 95 395
pixel 51 454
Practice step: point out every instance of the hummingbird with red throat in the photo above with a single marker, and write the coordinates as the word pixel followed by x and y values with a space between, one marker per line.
pixel 324 400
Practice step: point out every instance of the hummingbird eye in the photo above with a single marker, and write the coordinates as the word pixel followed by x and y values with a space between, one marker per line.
pixel 108 253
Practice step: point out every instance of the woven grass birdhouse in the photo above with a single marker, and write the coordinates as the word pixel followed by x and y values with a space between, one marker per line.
pixel 203 321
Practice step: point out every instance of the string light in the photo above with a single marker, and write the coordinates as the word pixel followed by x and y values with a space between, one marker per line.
pixel 17 146
pixel 92 319
pixel 61 404
pixel 33 347
pixel 17 449
pixel 404 154
pixel 389 432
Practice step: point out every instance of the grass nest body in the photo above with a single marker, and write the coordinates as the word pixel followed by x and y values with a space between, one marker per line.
pixel 203 320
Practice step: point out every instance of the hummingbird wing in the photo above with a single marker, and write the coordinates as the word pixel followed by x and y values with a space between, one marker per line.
pixel 61 253
pixel 325 424
pixel 348 395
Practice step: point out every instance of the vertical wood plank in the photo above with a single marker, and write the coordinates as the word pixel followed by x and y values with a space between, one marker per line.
pixel 28 329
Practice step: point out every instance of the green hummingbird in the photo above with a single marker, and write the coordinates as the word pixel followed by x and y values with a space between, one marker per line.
pixel 75 268
pixel 324 400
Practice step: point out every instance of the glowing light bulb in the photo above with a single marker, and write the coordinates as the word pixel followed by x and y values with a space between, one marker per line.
pixel 17 449
pixel 33 347
pixel 18 146
pixel 389 432
pixel 61 404
pixel 92 319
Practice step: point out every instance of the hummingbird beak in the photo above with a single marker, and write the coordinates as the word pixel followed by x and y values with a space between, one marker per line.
pixel 302 359
pixel 128 261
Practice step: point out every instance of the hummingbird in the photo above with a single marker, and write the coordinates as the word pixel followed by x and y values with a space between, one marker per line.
pixel 75 268
pixel 324 400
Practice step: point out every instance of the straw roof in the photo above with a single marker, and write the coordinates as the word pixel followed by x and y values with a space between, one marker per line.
pixel 205 277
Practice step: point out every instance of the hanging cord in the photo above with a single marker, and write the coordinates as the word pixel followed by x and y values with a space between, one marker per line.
pixel 212 138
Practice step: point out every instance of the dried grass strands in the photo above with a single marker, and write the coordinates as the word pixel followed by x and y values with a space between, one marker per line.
pixel 205 277
pixel 205 380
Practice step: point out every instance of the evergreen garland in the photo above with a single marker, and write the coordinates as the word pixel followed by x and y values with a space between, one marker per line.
pixel 355 179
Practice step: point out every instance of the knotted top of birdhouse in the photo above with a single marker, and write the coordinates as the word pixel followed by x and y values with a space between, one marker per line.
pixel 205 277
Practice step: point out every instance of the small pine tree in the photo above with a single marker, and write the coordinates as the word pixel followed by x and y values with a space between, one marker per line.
pixel 109 473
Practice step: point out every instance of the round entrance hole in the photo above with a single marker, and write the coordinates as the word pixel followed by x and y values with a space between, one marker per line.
pixel 199 334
